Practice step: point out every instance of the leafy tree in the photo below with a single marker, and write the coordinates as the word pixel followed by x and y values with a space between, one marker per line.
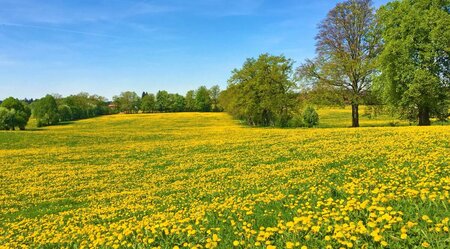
pixel 347 46
pixel 15 114
pixel 148 103
pixel 190 101
pixel 415 61
pixel 203 99
pixel 127 102
pixel 176 103
pixel 46 111
pixel 310 117
pixel 65 113
pixel 162 101
pixel 261 92
pixel 214 93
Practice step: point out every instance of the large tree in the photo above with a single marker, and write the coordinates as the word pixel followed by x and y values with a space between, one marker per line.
pixel 203 99
pixel 261 92
pixel 15 113
pixel 415 61
pixel 347 46
pixel 128 102
pixel 46 111
pixel 148 103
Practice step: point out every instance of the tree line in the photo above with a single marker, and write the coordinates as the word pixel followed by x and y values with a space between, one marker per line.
pixel 54 109
pixel 397 56
pixel 200 100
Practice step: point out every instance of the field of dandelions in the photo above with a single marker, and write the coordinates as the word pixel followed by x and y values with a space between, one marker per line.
pixel 192 180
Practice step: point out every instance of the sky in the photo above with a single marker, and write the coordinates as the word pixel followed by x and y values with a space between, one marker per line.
pixel 106 47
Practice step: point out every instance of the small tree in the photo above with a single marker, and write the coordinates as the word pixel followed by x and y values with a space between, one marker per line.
pixel 310 117
pixel 214 93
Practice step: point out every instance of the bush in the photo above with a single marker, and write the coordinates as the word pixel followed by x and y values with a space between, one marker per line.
pixel 310 117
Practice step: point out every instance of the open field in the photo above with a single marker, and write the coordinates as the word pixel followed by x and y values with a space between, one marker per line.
pixel 201 180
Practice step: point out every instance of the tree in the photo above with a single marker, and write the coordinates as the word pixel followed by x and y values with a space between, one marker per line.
pixel 347 46
pixel 310 117
pixel 415 61
pixel 65 113
pixel 46 111
pixel 214 93
pixel 148 103
pixel 128 102
pixel 162 101
pixel 190 101
pixel 177 103
pixel 15 114
pixel 203 99
pixel 261 92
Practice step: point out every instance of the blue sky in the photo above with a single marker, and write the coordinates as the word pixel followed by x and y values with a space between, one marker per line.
pixel 109 46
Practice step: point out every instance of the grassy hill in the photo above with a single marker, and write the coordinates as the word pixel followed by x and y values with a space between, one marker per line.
pixel 200 180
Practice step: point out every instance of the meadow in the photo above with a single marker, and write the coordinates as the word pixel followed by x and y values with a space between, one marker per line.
pixel 202 180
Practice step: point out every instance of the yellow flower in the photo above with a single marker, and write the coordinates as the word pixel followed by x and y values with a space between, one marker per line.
pixel 235 243
pixel 404 236
pixel 425 244
pixel 289 245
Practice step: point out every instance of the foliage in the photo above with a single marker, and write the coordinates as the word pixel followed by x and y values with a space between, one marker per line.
pixel 310 117
pixel 15 113
pixel 45 110
pixel 65 113
pixel 128 102
pixel 347 46
pixel 261 92
pixel 148 103
pixel 203 99
pixel 143 181
pixel 415 61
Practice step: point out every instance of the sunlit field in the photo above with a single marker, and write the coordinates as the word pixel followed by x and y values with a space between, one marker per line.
pixel 192 180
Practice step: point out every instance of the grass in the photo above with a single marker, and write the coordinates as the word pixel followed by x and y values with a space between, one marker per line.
pixel 201 180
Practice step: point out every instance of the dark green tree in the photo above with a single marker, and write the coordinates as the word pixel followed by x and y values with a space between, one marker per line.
pixel 415 61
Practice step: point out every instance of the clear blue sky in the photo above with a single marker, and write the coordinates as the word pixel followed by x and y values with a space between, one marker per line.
pixel 109 46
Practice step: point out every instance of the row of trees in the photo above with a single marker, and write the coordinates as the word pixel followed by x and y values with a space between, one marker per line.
pixel 53 109
pixel 201 100
pixel 398 55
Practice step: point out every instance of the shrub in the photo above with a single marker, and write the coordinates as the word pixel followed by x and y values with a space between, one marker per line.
pixel 310 117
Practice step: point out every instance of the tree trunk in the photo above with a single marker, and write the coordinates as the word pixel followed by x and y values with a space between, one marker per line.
pixel 424 117
pixel 355 115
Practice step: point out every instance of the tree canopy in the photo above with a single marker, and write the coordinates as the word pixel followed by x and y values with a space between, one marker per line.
pixel 415 61
pixel 347 47
pixel 261 92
